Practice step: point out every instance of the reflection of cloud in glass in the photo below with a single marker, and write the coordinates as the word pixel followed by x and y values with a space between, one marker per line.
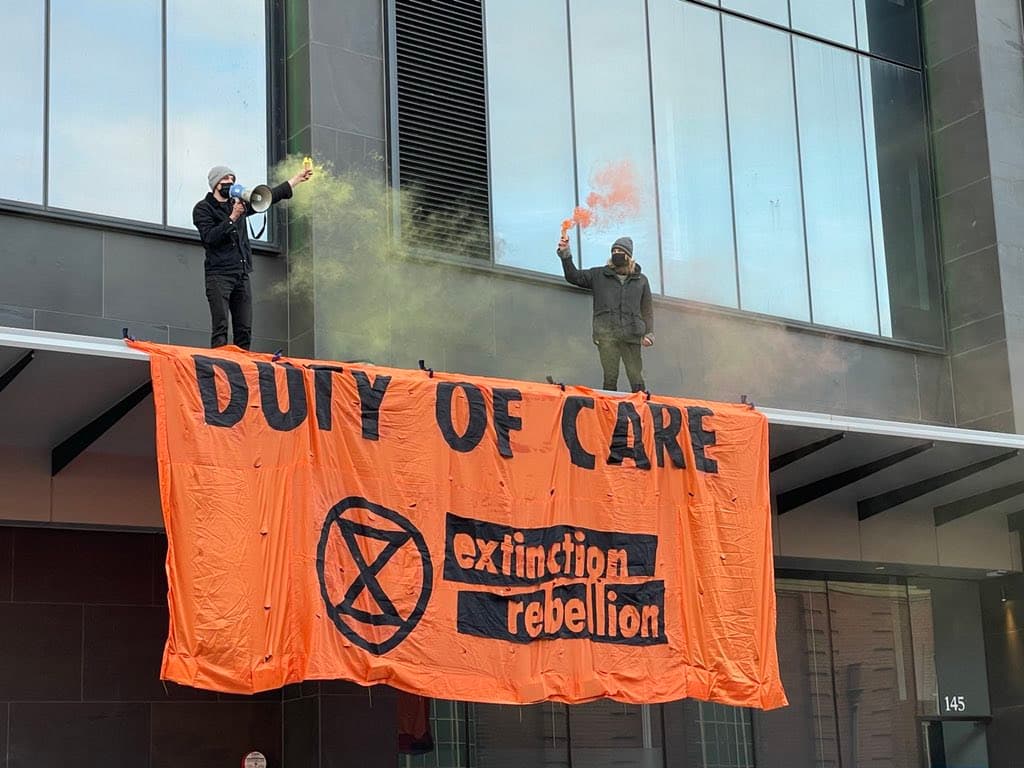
pixel 766 178
pixel 216 97
pixel 613 117
pixel 831 19
pixel 532 186
pixel 21 101
pixel 698 254
pixel 105 107
pixel 839 250
pixel 775 11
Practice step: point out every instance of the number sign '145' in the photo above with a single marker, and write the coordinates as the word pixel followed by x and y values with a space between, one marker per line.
pixel 956 704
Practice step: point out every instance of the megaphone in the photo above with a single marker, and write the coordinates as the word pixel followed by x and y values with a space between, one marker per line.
pixel 259 197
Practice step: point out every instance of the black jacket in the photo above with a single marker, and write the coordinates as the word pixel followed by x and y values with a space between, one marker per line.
pixel 623 311
pixel 228 251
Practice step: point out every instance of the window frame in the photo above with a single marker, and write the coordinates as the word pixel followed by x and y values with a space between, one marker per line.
pixel 276 136
pixel 491 266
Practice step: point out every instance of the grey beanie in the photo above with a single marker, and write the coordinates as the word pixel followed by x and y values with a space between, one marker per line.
pixel 217 173
pixel 625 243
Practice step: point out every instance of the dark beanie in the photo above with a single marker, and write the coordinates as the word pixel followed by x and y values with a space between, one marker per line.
pixel 625 243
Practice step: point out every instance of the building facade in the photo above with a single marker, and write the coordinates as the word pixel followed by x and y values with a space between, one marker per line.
pixel 826 199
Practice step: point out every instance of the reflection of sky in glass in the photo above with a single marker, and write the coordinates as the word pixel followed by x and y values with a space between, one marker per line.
pixel 105 107
pixel 698 253
pixel 530 120
pixel 835 187
pixel 889 29
pixel 831 19
pixel 895 121
pixel 613 118
pixel 776 11
pixel 860 14
pixel 21 101
pixel 766 180
pixel 216 97
pixel 877 230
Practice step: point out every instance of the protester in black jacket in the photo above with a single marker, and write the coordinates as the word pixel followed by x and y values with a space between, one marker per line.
pixel 623 312
pixel 222 227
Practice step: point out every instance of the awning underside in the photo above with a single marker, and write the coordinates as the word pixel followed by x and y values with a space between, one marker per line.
pixel 71 396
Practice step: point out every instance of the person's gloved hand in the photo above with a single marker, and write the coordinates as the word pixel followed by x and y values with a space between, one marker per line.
pixel 648 340
pixel 563 247
pixel 302 176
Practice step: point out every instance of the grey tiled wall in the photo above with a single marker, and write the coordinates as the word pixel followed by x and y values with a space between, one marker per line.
pixel 975 75
pixel 81 279
pixel 83 620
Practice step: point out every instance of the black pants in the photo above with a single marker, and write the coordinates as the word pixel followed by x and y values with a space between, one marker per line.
pixel 230 294
pixel 613 350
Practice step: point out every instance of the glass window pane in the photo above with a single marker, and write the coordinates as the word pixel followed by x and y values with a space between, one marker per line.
pixel 216 98
pixel 922 626
pixel 839 249
pixel 607 733
pixel 804 733
pixel 21 101
pixel 530 121
pixel 698 252
pixel 901 202
pixel 723 736
pixel 775 11
pixel 106 132
pixel 873 664
pixel 516 737
pixel 831 19
pixel 766 175
pixel 888 28
pixel 613 119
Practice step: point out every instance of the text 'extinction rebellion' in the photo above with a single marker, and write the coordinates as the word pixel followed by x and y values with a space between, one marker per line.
pixel 588 583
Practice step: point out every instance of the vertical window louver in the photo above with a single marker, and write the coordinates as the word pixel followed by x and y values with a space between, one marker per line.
pixel 442 125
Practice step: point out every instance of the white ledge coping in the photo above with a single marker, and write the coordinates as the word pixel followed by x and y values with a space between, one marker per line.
pixel 50 341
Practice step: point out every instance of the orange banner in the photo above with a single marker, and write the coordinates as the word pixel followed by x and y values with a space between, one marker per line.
pixel 460 537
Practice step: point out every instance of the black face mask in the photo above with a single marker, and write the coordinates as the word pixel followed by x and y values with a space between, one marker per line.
pixel 618 259
pixel 225 190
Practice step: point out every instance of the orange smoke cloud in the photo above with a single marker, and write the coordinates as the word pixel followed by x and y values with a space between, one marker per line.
pixel 581 216
pixel 615 196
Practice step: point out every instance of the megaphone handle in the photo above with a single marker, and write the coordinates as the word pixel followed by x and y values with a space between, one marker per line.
pixel 258 235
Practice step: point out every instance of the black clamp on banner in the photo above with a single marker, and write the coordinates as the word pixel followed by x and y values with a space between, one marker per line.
pixel 551 380
pixel 423 367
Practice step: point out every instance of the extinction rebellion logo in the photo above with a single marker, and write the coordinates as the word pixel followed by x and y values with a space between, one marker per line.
pixel 376 579
pixel 359 542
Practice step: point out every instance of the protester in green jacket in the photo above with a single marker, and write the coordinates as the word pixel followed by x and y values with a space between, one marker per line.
pixel 623 312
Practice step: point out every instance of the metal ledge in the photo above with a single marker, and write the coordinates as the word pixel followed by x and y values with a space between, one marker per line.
pixel 50 341
pixel 926 432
